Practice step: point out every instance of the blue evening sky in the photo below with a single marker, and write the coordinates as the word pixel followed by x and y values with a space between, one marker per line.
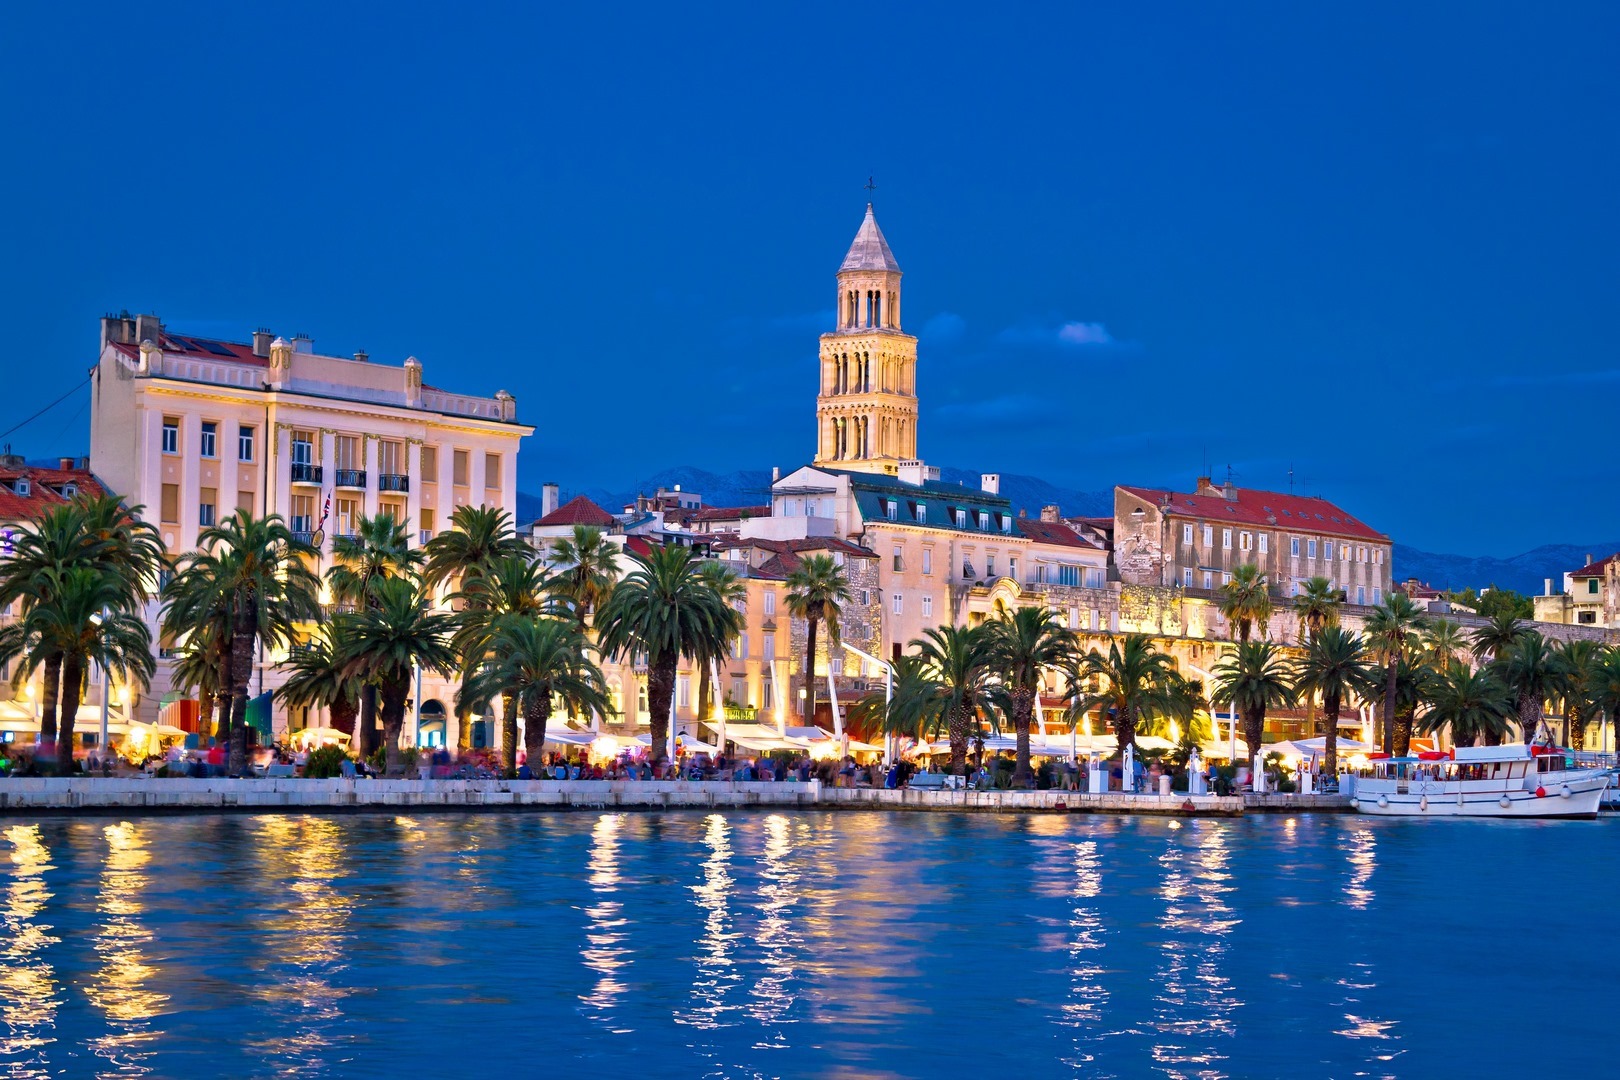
pixel 1373 242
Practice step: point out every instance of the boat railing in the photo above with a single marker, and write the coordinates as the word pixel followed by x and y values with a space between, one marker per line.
pixel 1593 759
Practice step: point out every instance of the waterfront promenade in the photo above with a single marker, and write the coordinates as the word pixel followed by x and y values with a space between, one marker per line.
pixel 32 795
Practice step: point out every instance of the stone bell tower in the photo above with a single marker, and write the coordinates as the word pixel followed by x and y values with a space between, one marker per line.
pixel 866 411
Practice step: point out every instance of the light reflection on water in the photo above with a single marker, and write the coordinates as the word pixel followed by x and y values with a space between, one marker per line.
pixel 772 944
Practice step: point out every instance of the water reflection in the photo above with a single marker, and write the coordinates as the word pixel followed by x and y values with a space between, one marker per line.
pixel 717 972
pixel 305 943
pixel 121 985
pixel 780 940
pixel 1359 983
pixel 605 932
pixel 1195 1000
pixel 1088 996
pixel 28 987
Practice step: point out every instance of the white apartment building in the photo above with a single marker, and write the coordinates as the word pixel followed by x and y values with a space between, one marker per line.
pixel 193 428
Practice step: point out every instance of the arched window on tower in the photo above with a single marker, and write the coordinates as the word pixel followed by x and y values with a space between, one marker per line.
pixel 877 314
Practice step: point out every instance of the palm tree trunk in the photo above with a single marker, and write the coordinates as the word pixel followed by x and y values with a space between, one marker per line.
pixel 72 685
pixel 49 695
pixel 1529 717
pixel 396 688
pixel 1125 735
pixel 809 710
pixel 1023 715
pixel 365 728
pixel 205 711
pixel 1254 727
pixel 509 707
pixel 660 690
pixel 222 715
pixel 1574 728
pixel 957 729
pixel 1330 737
pixel 243 635
pixel 536 714
pixel 705 692
pixel 1403 731
pixel 1389 705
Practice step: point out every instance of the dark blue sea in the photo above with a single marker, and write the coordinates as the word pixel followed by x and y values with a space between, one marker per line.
pixel 806 945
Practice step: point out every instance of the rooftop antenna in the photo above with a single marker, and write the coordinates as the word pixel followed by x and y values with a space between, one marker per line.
pixel 1228 472
pixel 1290 478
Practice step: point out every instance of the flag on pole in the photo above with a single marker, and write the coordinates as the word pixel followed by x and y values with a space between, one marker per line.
pixel 326 509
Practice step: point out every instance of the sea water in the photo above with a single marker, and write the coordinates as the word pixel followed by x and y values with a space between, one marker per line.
pixel 805 944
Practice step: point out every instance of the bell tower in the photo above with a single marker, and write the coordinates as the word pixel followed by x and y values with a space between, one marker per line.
pixel 866 411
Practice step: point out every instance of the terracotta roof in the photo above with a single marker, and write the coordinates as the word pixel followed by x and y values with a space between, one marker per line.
pixel 638 545
pixel 43 489
pixel 1052 532
pixel 1595 569
pixel 579 510
pixel 1269 508
pixel 728 513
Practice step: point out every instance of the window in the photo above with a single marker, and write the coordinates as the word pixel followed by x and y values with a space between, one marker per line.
pixel 170 506
pixel 1006 523
pixel 1074 618
pixel 1226 579
pixel 171 435
pixel 1209 535
pixel 347 450
pixel 430 464
pixel 458 468
pixel 492 470
pixel 1186 534
pixel 348 516
pixel 769 603
pixel 922 514
pixel 1209 580
pixel 1095 577
pixel 891 509
pixel 1293 546
pixel 1040 573
pixel 928 560
pixel 967 568
pixel 1592 586
pixel 989 566
pixel 866 597
pixel 23 486
pixel 1245 541
pixel 1378 595
pixel 899 603
pixel 1264 546
pixel 1378 556
pixel 1186 576
pixel 770 646
pixel 985 521
pixel 1310 548
pixel 1226 539
pixel 928 607
pixel 303 514
pixel 961 519
pixel 1012 569
pixel 683 687
pixel 739 647
pixel 1586 617
pixel 244 443
pixel 425 524
pixel 391 457
pixel 205 506
pixel 1327 550
pixel 1361 554
pixel 1068 575
pixel 210 433
pixel 899 561
pixel 244 500
pixel 303 448
pixel 1361 594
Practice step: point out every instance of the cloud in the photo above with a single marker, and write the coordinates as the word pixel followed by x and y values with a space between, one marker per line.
pixel 1065 334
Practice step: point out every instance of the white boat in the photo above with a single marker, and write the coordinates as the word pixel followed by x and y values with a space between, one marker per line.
pixel 1511 781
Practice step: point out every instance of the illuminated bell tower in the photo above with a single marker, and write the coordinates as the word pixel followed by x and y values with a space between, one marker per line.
pixel 866 411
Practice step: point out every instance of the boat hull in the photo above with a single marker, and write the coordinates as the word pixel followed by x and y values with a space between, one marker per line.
pixel 1577 797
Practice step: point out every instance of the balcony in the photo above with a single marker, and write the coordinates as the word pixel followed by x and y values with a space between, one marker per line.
pixel 392 482
pixel 349 478
pixel 305 473
pixel 303 536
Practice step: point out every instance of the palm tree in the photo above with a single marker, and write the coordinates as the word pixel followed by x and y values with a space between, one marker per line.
pixel 1254 678
pixel 1134 680
pixel 1443 642
pixel 1476 705
pixel 395 631
pixel 1411 691
pixel 200 663
pixel 316 679
pixel 379 550
pixel 1024 645
pixel 82 625
pixel 1603 686
pixel 956 665
pixel 1532 669
pixel 257 567
pixel 542 661
pixel 731 588
pixel 816 592
pixel 663 611
pixel 1246 600
pixel 1316 607
pixel 1336 666
pixel 512 585
pixel 197 614
pixel 585 566
pixel 1498 635
pixel 1392 630
pixel 1578 662
pixel 478 537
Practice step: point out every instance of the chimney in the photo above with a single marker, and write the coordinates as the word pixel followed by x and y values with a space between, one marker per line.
pixel 1546 586
pixel 776 473
pixel 1229 491
pixel 261 342
pixel 148 328
pixel 1205 486
pixel 548 499
pixel 990 482
pixel 64 463
pixel 118 329
pixel 1588 561
pixel 1050 514
pixel 303 343
pixel 362 356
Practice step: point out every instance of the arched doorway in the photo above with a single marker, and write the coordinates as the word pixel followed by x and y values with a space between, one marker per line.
pixel 432 729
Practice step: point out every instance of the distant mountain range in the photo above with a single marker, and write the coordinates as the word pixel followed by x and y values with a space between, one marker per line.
pixel 751 487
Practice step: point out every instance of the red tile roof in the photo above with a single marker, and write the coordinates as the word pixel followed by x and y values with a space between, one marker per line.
pixel 198 348
pixel 1595 569
pixel 638 545
pixel 1271 508
pixel 43 489
pixel 579 510
pixel 1053 532
pixel 728 513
